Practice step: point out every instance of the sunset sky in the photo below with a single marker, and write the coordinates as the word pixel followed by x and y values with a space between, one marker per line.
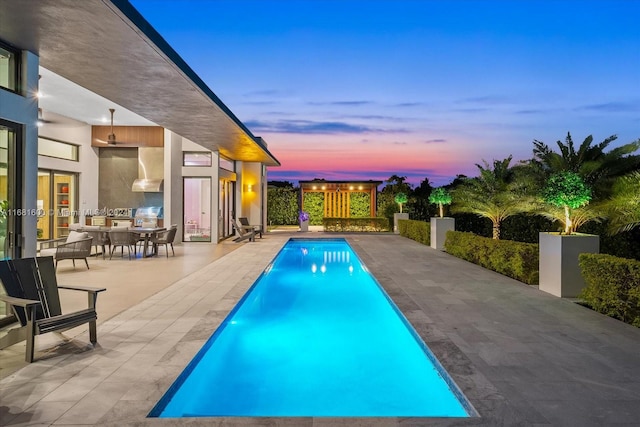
pixel 344 89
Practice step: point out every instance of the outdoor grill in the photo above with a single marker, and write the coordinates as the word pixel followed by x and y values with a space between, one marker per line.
pixel 147 216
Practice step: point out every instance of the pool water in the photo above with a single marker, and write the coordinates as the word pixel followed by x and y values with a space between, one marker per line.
pixel 314 336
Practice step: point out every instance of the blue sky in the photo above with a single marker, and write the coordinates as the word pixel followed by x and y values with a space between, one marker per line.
pixel 344 89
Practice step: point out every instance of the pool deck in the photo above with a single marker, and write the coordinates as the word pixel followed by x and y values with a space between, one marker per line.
pixel 521 356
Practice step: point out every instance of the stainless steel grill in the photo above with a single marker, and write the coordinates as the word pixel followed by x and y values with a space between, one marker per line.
pixel 147 216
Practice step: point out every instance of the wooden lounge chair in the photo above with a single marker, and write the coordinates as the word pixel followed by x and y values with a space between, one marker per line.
pixel 32 293
pixel 243 233
pixel 244 222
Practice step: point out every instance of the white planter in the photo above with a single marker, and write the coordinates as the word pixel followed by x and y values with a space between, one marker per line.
pixel 439 228
pixel 396 217
pixel 559 269
pixel 304 225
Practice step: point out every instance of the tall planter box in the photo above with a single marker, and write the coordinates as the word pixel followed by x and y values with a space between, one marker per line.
pixel 396 217
pixel 439 228
pixel 559 268
pixel 304 225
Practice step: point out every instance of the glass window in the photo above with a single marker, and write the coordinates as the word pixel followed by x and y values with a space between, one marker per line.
pixel 227 164
pixel 9 66
pixel 196 158
pixel 58 149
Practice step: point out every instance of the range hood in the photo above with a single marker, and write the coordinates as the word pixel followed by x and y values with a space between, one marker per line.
pixel 150 170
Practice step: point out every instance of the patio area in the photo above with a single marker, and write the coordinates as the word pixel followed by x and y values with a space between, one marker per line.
pixel 521 356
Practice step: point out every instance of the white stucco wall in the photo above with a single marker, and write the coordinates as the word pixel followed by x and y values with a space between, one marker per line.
pixel 78 133
pixel 251 201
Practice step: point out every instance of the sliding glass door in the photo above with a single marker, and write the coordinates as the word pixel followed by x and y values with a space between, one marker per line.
pixel 10 209
pixel 10 205
pixel 226 208
pixel 197 209
pixel 56 203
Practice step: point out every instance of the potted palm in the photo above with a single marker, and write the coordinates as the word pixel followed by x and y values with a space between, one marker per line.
pixel 567 197
pixel 440 225
pixel 400 199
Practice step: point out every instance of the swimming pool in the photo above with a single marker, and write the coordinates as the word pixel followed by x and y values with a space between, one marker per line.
pixel 315 335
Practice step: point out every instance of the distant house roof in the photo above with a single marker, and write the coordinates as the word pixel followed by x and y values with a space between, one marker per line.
pixel 325 185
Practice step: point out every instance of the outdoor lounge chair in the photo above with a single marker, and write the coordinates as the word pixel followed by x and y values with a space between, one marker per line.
pixel 244 222
pixel 243 233
pixel 32 293
pixel 77 246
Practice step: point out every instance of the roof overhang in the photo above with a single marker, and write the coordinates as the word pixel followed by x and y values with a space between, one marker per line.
pixel 108 48
pixel 324 185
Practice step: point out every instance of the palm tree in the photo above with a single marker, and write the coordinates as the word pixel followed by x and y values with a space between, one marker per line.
pixel 624 206
pixel 497 193
pixel 595 167
pixel 567 191
pixel 440 196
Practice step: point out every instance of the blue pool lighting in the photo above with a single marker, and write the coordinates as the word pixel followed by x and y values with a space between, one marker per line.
pixel 314 336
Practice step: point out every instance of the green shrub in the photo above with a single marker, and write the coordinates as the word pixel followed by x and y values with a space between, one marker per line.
pixel 282 206
pixel 355 224
pixel 359 205
pixel 613 286
pixel 514 259
pixel 420 231
pixel 314 204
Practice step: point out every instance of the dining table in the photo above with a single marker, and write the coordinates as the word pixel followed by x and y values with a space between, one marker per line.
pixel 146 233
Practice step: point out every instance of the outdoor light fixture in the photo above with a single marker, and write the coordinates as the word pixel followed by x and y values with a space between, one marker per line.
pixel 249 188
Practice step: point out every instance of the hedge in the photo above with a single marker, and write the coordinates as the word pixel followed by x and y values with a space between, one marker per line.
pixel 420 231
pixel 355 224
pixel 613 286
pixel 514 259
pixel 314 204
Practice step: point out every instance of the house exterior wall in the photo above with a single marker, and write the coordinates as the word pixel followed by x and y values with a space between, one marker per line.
pixel 251 192
pixel 22 108
pixel 203 171
pixel 86 166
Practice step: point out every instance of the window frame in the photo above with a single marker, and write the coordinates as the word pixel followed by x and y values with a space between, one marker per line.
pixel 207 153
pixel 76 146
pixel 16 68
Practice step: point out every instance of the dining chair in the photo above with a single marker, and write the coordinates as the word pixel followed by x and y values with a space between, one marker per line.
pixel 100 237
pixel 165 238
pixel 122 223
pixel 122 237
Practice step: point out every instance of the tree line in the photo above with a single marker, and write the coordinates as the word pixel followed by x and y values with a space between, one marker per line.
pixel 563 188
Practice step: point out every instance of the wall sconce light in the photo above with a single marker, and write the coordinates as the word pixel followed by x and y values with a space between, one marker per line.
pixel 249 188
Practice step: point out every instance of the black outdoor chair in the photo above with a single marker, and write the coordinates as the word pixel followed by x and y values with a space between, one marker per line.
pixel 32 293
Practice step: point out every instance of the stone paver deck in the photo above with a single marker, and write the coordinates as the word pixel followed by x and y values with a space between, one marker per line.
pixel 522 357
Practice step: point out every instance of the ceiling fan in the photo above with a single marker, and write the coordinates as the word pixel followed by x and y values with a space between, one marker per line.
pixel 111 138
